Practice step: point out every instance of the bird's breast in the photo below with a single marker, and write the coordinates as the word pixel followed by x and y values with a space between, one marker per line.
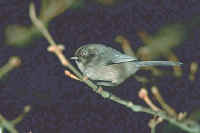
pixel 114 72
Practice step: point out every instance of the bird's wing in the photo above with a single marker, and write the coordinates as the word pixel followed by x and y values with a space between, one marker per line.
pixel 111 56
pixel 116 59
pixel 121 58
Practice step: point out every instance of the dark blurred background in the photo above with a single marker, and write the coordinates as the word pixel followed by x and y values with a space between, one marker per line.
pixel 60 104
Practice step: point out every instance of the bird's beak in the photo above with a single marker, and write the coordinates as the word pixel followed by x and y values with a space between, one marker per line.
pixel 74 58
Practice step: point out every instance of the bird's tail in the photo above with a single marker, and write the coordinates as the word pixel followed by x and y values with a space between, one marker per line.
pixel 158 63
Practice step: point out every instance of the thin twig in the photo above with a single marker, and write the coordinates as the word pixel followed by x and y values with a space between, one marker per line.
pixel 162 102
pixel 143 94
pixel 6 124
pixel 21 116
pixel 40 25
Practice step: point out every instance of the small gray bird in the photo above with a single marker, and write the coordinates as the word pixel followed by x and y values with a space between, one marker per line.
pixel 109 67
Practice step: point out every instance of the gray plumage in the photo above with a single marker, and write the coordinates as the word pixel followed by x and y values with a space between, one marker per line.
pixel 109 67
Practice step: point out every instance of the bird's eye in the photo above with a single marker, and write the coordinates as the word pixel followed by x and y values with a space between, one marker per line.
pixel 84 53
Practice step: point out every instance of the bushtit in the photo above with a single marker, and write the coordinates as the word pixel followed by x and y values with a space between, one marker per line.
pixel 109 67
